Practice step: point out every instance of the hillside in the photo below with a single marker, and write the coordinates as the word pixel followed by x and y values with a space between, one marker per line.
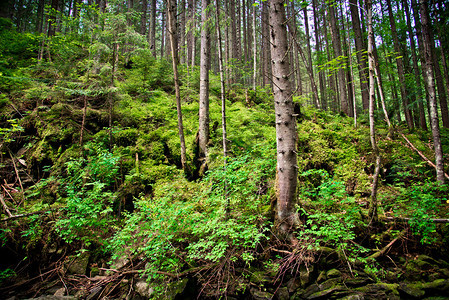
pixel 95 203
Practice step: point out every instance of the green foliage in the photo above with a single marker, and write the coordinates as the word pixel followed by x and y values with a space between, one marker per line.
pixel 425 202
pixel 186 223
pixel 6 274
pixel 87 215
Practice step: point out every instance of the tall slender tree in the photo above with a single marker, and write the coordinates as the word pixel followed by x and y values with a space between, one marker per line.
pixel 285 119
pixel 171 11
pixel 203 131
pixel 429 78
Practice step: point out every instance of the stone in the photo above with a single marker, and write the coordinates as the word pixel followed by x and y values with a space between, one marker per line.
pixel 412 290
pixel 304 274
pixel 260 295
pixel 321 277
pixel 333 273
pixel 60 292
pixel 293 284
pixel 282 293
pixel 78 263
pixel 175 288
pixel 120 262
pixel 143 288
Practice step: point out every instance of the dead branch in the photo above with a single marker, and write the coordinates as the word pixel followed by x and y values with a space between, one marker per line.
pixel 18 177
pixel 387 247
pixel 5 206
pixel 406 219
pixel 420 153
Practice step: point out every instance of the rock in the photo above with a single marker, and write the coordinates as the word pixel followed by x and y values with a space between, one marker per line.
pixel 353 297
pixel 333 273
pixel 380 290
pixel 304 274
pixel 143 288
pixel 282 293
pixel 78 263
pixel 293 284
pixel 412 290
pixel 120 262
pixel 94 293
pixel 60 292
pixel 322 277
pixel 52 297
pixel 260 295
pixel 175 288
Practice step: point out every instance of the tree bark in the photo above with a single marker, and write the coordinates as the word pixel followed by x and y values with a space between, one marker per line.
pixel 171 8
pixel 336 43
pixel 400 66
pixel 285 119
pixel 153 28
pixel 203 131
pixel 318 50
pixel 361 58
pixel 418 82
pixel 429 68
pixel 372 214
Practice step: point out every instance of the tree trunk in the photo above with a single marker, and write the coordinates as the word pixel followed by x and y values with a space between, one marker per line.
pixel 182 31
pixel 361 58
pixel 318 50
pixel 287 172
pixel 153 28
pixel 203 131
pixel 171 8
pixel 143 18
pixel 336 43
pixel 429 68
pixel 418 82
pixel 400 66
pixel 372 214
pixel 266 66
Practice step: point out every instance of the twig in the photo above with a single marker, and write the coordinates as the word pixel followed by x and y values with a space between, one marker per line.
pixel 18 177
pixel 4 206
pixel 25 215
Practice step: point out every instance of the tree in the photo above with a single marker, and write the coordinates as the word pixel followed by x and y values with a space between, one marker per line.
pixel 372 214
pixel 429 78
pixel 287 172
pixel 400 66
pixel 203 131
pixel 359 48
pixel 171 7
pixel 344 105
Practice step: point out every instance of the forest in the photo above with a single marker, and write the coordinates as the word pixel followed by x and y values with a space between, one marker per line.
pixel 224 149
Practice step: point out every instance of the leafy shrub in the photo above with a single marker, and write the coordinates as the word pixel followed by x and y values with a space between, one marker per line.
pixel 89 199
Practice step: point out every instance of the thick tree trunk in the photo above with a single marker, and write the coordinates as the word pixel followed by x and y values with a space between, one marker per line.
pixel 203 131
pixel 429 68
pixel 285 119
pixel 171 9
